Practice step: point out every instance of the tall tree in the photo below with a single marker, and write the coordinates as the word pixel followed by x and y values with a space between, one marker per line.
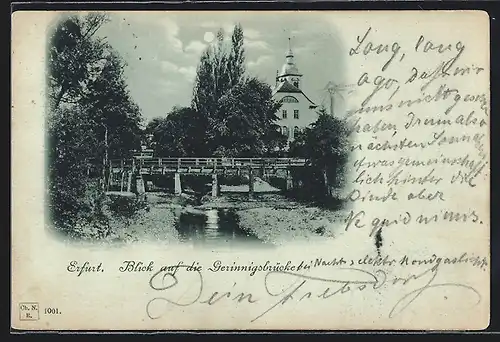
pixel 204 101
pixel 238 113
pixel 74 56
pixel 91 116
pixel 111 106
pixel 236 59
pixel 220 59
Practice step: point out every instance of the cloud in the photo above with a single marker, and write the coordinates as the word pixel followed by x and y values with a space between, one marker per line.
pixel 260 61
pixel 248 33
pixel 171 30
pixel 304 49
pixel 208 24
pixel 166 87
pixel 251 33
pixel 228 27
pixel 189 72
pixel 195 47
pixel 168 66
pixel 257 44
pixel 157 21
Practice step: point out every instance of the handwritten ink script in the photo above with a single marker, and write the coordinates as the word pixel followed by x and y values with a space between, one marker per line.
pixel 419 133
pixel 280 283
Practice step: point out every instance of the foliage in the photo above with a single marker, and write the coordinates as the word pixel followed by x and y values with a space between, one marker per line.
pixel 179 134
pixel 68 163
pixel 74 56
pixel 90 118
pixel 110 105
pixel 246 115
pixel 124 207
pixel 236 59
pixel 325 144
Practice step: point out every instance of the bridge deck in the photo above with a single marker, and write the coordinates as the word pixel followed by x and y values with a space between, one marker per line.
pixel 203 165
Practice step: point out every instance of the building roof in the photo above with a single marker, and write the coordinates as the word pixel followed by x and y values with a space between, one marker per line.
pixel 287 87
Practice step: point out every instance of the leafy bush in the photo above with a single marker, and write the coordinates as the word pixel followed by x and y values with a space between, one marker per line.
pixel 325 145
pixel 124 207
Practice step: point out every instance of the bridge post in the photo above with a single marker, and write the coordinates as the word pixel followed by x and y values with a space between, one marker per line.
pixel 289 180
pixel 129 181
pixel 110 180
pixel 122 174
pixel 177 183
pixel 250 182
pixel 215 185
pixel 141 185
pixel 122 183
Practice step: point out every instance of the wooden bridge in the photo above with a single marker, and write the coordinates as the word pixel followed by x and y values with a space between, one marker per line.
pixel 151 166
pixel 140 167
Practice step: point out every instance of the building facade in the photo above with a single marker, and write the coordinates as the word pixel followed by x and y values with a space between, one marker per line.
pixel 297 110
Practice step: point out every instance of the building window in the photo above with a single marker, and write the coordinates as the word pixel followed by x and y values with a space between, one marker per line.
pixel 285 131
pixel 284 114
pixel 295 113
pixel 289 99
pixel 296 130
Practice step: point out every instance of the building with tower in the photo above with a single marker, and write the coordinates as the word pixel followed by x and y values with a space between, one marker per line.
pixel 297 110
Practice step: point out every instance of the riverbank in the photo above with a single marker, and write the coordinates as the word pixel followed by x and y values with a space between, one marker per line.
pixel 269 216
pixel 152 225
pixel 276 219
pixel 152 220
pixel 279 226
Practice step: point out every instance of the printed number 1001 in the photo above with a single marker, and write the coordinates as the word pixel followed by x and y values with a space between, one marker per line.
pixel 52 311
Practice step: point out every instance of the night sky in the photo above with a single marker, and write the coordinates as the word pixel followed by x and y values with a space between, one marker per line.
pixel 162 50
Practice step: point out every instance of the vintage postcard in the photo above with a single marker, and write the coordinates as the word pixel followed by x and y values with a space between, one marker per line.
pixel 250 170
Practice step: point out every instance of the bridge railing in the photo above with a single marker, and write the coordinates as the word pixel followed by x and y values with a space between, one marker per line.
pixel 216 163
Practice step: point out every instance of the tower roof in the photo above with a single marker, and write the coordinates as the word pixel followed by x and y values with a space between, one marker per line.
pixel 289 53
pixel 289 68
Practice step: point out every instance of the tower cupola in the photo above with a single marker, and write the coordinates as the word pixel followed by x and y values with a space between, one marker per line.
pixel 289 71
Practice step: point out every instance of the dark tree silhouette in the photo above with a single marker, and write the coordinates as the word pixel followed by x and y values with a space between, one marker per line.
pixel 237 113
pixel 325 145
pixel 91 118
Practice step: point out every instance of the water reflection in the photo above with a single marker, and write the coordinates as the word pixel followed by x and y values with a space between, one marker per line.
pixel 212 226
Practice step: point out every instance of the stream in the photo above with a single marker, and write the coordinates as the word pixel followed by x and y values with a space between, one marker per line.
pixel 214 227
